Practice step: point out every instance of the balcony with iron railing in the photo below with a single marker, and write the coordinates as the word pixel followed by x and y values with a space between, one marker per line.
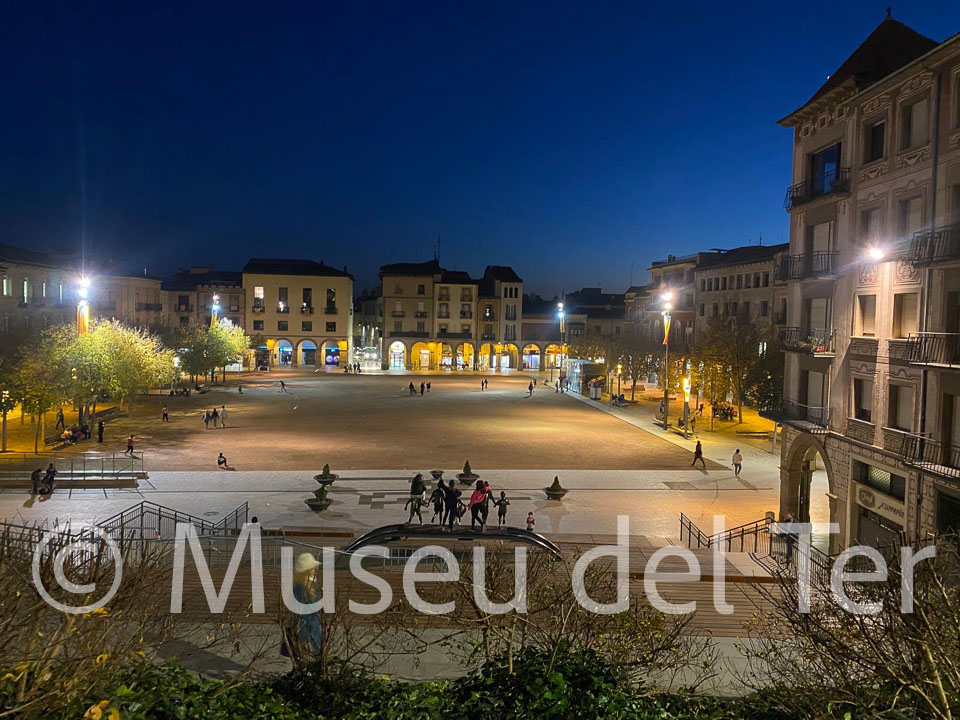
pixel 811 341
pixel 780 318
pixel 306 309
pixel 38 302
pixel 809 418
pixel 149 307
pixel 330 310
pixel 466 314
pixel 257 309
pixel 455 335
pixel 938 349
pixel 931 456
pixel 443 315
pixel 283 308
pixel 808 265
pixel 189 308
pixel 420 313
pixel 931 247
pixel 834 182
pixel 397 313
pixel 488 336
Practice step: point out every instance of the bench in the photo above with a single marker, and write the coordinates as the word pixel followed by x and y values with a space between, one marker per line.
pixel 120 480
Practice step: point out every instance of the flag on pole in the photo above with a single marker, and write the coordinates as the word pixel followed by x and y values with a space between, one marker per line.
pixel 666 328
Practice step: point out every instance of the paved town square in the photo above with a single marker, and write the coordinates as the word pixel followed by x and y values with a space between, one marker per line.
pixel 371 431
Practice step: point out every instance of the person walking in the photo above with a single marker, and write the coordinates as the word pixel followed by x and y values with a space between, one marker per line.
pixel 700 410
pixel 789 536
pixel 223 416
pixel 46 485
pixel 165 416
pixel 534 383
pixel 698 455
pixel 422 388
pixel 485 505
pixel 61 424
pixel 737 462
pixel 530 388
pixel 35 481
pixel 502 504
pixel 693 424
pixel 556 386
pixel 100 427
pixel 206 419
pixel 428 387
pixel 476 501
pixel 451 497
pixel 283 387
pixel 531 521
pixel 240 388
pixel 413 390
pixel 129 450
pixel 436 499
pixel 221 461
pixel 214 415
pixel 415 501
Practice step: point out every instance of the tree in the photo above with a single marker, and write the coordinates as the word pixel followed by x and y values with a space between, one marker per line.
pixel 11 384
pixel 135 360
pixel 636 351
pixel 47 373
pixel 204 349
pixel 765 380
pixel 735 348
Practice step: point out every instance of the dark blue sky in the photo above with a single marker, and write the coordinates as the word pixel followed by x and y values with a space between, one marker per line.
pixel 567 140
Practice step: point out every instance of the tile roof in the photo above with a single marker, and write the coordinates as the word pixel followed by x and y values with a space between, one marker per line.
pixel 191 279
pixel 741 255
pixel 430 267
pixel 13 254
pixel 503 273
pixel 284 266
pixel 891 46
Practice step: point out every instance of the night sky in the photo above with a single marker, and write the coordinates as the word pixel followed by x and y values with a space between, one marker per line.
pixel 567 140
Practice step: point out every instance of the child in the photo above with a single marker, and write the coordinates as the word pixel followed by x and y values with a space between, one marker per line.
pixel 437 498
pixel 502 508
pixel 531 521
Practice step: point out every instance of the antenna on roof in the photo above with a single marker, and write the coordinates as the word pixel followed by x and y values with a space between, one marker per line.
pixel 436 254
pixel 889 12
pixel 761 240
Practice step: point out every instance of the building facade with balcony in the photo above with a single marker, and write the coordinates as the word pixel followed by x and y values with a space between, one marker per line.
pixel 37 289
pixel 740 284
pixel 436 318
pixel 189 294
pixel 302 309
pixel 871 392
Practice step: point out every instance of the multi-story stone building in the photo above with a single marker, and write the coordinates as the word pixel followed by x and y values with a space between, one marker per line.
pixel 740 284
pixel 302 309
pixel 872 381
pixel 673 277
pixel 36 289
pixel 189 295
pixel 437 318
pixel 131 299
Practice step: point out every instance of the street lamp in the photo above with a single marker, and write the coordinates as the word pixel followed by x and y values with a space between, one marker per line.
pixel 875 253
pixel 214 310
pixel 667 299
pixel 176 370
pixel 563 349
pixel 619 373
pixel 83 306
pixel 686 405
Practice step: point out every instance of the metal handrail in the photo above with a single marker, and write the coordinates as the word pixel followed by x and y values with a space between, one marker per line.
pixel 828 183
pixel 928 348
pixel 931 455
pixel 928 247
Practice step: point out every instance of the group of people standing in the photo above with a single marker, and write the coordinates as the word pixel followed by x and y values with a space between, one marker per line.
pixel 424 387
pixel 449 507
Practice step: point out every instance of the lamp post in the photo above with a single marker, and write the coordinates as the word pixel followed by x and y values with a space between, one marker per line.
pixel 686 406
pixel 83 306
pixel 176 370
pixel 667 298
pixel 214 310
pixel 619 373
pixel 560 315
